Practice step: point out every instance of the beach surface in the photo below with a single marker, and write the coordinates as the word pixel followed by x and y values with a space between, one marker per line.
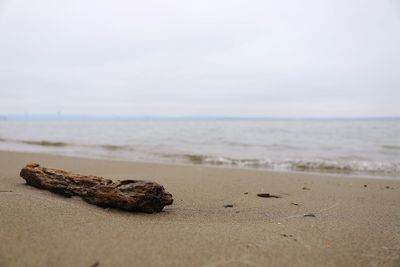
pixel 349 222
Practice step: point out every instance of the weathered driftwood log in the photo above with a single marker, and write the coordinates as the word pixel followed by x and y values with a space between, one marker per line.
pixel 131 195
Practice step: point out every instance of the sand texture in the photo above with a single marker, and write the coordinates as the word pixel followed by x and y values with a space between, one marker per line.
pixel 216 219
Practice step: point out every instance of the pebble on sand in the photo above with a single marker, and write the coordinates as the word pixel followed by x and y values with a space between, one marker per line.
pixel 268 195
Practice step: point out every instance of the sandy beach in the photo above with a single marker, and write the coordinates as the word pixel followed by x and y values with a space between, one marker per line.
pixel 352 222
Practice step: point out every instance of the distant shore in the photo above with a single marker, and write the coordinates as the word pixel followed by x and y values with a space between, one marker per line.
pixel 217 219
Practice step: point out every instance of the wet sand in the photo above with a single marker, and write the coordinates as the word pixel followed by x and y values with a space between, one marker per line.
pixel 350 222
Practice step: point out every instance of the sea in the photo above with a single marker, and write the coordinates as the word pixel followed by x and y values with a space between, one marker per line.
pixel 366 147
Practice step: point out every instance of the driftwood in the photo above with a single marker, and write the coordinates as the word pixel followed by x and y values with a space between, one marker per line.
pixel 131 195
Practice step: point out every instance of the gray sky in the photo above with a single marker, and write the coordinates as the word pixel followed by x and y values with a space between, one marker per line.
pixel 234 58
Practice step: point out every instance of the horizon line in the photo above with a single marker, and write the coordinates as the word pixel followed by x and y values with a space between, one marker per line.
pixel 75 117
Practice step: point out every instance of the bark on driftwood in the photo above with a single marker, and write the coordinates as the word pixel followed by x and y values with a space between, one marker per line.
pixel 131 195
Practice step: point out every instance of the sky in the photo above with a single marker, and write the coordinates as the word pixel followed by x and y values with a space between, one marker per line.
pixel 328 58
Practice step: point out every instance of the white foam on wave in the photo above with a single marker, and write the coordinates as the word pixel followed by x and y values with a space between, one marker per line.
pixel 317 165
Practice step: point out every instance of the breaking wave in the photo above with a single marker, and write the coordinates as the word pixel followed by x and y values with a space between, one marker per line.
pixel 113 147
pixel 44 143
pixel 392 147
pixel 317 165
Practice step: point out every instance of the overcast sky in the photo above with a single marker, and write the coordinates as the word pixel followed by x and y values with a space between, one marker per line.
pixel 229 58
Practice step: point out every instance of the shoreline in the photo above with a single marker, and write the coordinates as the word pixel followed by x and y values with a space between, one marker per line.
pixel 319 220
pixel 208 165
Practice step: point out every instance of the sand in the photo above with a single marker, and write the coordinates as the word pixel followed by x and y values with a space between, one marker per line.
pixel 353 225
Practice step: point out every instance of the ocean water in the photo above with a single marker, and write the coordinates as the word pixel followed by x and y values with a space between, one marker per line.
pixel 357 147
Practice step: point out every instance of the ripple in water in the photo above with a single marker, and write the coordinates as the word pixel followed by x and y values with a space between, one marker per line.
pixel 335 146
